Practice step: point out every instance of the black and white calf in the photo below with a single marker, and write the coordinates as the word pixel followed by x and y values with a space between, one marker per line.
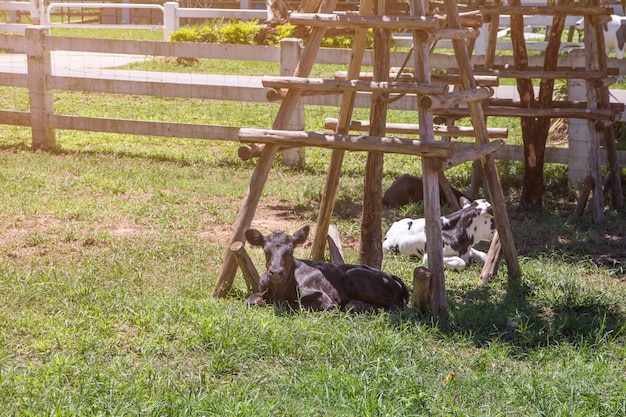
pixel 460 231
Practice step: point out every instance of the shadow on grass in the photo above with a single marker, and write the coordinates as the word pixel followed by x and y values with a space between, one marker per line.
pixel 519 323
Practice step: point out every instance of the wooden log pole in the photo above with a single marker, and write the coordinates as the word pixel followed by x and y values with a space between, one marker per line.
pixel 489 167
pixel 546 10
pixel 336 159
pixel 584 196
pixel 439 34
pixel 250 274
pixel 421 289
pixel 490 269
pixel 339 86
pixel 557 113
pixel 40 95
pixel 433 102
pixel 371 249
pixel 264 164
pixel 288 138
pixel 333 20
pixel 334 245
pixel 473 154
pixel 250 151
pixel 414 129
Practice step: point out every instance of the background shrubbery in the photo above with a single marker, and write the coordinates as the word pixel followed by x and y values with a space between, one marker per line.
pixel 251 33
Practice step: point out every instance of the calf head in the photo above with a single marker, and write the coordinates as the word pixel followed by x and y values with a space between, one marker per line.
pixel 278 248
pixel 478 221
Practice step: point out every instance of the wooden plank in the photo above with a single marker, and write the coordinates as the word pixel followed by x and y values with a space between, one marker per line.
pixel 167 49
pixel 147 128
pixel 347 142
pixel 187 86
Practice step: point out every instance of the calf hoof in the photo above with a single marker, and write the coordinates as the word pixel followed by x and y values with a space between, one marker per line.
pixel 255 300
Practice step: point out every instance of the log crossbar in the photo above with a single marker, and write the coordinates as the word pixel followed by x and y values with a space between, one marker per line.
pixel 432 102
pixel 336 20
pixel 453 33
pixel 323 85
pixel 557 113
pixel 289 138
pixel 546 10
pixel 450 79
pixel 414 129
pixel 546 75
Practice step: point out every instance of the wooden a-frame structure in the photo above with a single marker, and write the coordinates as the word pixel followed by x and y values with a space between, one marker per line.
pixel 436 156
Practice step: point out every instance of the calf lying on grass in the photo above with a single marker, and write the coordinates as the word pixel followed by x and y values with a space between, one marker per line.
pixel 410 189
pixel 318 285
pixel 459 231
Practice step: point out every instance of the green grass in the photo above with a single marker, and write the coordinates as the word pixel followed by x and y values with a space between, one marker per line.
pixel 111 245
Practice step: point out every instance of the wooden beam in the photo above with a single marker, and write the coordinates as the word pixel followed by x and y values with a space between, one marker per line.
pixel 546 10
pixel 289 138
pixel 336 20
pixel 558 113
pixel 250 274
pixel 433 102
pixel 340 86
pixel 414 129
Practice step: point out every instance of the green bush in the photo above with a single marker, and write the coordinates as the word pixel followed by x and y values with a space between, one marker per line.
pixel 281 32
pixel 240 33
pixel 244 33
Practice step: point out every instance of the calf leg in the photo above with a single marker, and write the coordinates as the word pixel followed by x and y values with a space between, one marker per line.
pixel 368 286
pixel 355 306
pixel 317 301
pixel 477 255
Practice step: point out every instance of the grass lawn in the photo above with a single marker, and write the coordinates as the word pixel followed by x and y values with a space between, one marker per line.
pixel 111 245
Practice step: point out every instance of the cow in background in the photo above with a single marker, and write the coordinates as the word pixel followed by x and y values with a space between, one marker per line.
pixel 317 286
pixel 460 231
pixel 410 189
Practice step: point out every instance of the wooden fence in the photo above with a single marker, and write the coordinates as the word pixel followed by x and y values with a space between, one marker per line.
pixel 40 78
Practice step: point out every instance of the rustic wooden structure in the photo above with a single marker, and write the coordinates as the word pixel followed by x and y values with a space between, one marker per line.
pixel 436 156
pixel 597 109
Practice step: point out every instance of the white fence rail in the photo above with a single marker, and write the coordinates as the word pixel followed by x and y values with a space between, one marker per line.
pixel 41 78
pixel 171 15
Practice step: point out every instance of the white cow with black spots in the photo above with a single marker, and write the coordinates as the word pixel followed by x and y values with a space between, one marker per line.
pixel 460 231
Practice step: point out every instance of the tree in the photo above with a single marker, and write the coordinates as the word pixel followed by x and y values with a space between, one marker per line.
pixel 535 129
pixel 277 13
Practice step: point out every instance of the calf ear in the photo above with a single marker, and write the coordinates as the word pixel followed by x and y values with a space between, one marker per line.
pixel 299 237
pixel 254 237
pixel 464 201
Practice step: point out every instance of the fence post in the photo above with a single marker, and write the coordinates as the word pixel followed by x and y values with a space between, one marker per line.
pixel 170 19
pixel 38 12
pixel 41 98
pixel 578 148
pixel 290 50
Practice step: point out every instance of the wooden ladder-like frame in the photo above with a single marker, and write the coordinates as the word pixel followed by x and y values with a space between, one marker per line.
pixel 435 155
